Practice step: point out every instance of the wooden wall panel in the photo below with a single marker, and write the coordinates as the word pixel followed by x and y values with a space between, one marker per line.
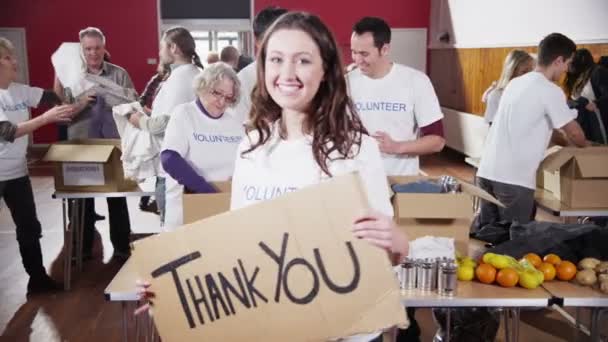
pixel 460 76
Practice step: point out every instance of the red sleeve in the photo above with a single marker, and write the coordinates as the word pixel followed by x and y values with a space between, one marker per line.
pixel 436 128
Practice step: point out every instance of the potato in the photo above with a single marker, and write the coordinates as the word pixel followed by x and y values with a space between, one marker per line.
pixel 602 277
pixel 604 287
pixel 586 277
pixel 588 264
pixel 602 267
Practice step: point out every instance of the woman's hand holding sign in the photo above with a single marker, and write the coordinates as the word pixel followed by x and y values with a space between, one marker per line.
pixel 380 230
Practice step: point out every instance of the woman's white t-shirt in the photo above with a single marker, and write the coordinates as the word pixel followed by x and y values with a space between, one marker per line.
pixel 207 144
pixel 492 105
pixel 282 166
pixel 14 103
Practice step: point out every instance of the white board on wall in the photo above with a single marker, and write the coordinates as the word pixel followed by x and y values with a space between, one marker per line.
pixel 408 47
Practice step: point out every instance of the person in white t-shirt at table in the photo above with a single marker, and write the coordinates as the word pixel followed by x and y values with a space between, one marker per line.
pixel 397 104
pixel 532 106
pixel 247 75
pixel 201 139
pixel 15 184
pixel 177 49
pixel 305 130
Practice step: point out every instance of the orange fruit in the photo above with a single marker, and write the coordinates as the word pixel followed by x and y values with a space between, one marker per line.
pixel 548 270
pixel 552 259
pixel 485 273
pixel 507 277
pixel 534 259
pixel 566 270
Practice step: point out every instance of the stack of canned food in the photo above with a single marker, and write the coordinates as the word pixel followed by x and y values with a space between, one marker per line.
pixel 429 274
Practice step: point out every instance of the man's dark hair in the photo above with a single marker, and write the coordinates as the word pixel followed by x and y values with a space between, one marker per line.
pixel 553 46
pixel 377 27
pixel 229 54
pixel 264 19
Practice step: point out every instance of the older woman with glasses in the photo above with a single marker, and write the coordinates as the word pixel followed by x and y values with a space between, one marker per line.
pixel 201 139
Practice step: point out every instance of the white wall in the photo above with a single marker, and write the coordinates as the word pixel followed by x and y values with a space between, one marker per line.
pixel 496 23
pixel 464 132
pixel 408 47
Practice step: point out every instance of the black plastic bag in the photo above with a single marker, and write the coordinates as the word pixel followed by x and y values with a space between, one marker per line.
pixel 467 324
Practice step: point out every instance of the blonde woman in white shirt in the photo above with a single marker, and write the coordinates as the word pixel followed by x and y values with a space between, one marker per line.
pixel 15 184
pixel 201 139
pixel 517 63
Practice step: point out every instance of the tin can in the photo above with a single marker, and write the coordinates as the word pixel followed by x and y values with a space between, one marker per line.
pixel 407 274
pixel 449 184
pixel 447 278
pixel 425 277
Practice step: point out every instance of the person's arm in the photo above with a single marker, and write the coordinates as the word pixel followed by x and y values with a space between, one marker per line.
pixel 153 125
pixel 180 170
pixel 58 89
pixel 50 98
pixel 428 116
pixel 575 134
pixel 431 141
pixel 381 231
pixel 175 146
pixel 80 103
pixel 10 131
pixel 599 83
pixel 484 97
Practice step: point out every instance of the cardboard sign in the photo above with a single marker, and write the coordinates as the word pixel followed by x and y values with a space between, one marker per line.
pixel 288 269
pixel 83 174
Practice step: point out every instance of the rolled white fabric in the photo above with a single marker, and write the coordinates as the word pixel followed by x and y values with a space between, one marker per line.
pixel 70 68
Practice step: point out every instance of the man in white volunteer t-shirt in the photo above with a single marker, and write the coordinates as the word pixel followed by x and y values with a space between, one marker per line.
pixel 247 75
pixel 397 104
pixel 531 108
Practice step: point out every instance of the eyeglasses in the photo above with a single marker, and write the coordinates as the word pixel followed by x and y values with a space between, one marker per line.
pixel 218 95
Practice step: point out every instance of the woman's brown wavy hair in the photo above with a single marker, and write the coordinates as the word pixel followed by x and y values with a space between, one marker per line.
pixel 332 119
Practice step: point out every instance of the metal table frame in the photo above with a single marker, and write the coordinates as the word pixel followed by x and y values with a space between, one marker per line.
pixel 75 227
pixel 596 302
pixel 510 306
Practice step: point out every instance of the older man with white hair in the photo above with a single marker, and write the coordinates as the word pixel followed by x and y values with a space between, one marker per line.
pixel 94 120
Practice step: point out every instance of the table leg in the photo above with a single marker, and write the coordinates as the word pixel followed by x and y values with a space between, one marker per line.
pixel 125 322
pixel 448 325
pixel 138 323
pixel 596 316
pixel 577 323
pixel 505 313
pixel 68 238
pixel 515 324
pixel 80 233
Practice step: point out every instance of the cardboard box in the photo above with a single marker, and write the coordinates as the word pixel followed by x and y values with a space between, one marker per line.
pixel 445 215
pixel 578 177
pixel 200 206
pixel 88 165
pixel 287 269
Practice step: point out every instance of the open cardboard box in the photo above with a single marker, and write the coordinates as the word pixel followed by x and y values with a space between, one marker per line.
pixel 578 177
pixel 88 165
pixel 200 206
pixel 444 215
